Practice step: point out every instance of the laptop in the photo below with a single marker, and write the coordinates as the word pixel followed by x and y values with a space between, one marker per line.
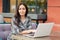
pixel 43 29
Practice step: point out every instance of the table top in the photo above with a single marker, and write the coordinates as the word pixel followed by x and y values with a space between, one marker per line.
pixel 53 36
pixel 39 38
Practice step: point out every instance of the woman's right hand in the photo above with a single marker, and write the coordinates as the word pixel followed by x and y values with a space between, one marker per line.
pixel 27 31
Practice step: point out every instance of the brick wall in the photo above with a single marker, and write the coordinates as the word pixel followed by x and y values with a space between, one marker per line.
pixel 53 11
pixel 0 6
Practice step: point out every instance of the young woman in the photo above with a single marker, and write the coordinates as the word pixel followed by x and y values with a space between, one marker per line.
pixel 21 23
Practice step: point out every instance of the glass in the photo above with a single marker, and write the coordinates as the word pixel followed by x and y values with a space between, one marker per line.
pixel 34 6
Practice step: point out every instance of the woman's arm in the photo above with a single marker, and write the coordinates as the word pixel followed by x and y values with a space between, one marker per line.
pixel 14 27
pixel 29 27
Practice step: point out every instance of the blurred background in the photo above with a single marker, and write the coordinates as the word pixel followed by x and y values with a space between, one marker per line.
pixel 35 7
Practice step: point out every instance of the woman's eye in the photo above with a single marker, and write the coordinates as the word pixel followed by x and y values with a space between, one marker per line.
pixel 20 9
pixel 23 8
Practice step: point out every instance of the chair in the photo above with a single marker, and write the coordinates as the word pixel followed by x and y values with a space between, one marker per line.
pixel 5 29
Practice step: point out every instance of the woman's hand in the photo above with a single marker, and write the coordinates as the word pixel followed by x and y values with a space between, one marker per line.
pixel 27 31
pixel 32 30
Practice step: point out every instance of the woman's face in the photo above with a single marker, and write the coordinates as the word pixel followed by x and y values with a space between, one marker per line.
pixel 22 10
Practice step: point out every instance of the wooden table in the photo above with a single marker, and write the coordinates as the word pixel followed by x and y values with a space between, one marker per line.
pixel 20 37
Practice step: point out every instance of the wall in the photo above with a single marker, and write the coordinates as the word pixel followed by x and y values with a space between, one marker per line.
pixel 0 6
pixel 53 11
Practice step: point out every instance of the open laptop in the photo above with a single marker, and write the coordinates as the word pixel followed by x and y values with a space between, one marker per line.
pixel 43 29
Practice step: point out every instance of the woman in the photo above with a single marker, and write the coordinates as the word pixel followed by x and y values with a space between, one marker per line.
pixel 21 23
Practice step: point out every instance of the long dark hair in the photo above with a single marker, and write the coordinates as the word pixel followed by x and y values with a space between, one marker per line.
pixel 18 16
